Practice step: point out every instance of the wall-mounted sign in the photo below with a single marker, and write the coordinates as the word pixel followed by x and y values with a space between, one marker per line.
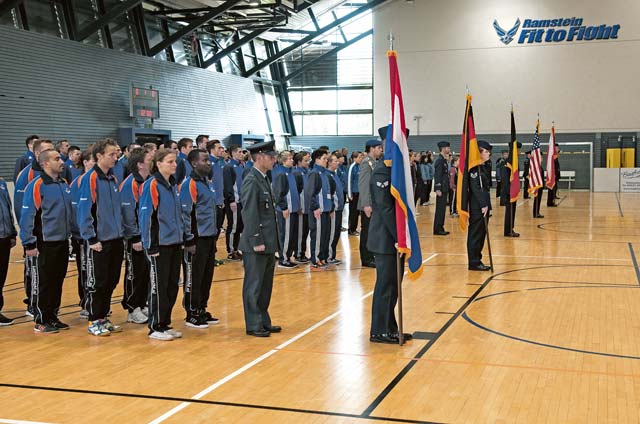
pixel 555 31
pixel 630 180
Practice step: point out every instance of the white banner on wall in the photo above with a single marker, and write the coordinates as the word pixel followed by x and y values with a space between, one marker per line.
pixel 630 180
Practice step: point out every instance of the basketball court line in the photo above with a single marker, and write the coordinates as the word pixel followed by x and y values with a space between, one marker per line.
pixel 256 361
pixel 635 262
pixel 544 257
pixel 7 421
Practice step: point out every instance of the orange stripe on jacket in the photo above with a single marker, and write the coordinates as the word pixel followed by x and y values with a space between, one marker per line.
pixel 154 193
pixel 37 199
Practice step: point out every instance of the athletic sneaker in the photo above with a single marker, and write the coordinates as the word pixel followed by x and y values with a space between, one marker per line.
pixel 210 319
pixel 234 257
pixel 218 262
pixel 302 259
pixel 84 314
pixel 196 322
pixel 145 310
pixel 97 328
pixel 112 327
pixel 161 335
pixel 334 261
pixel 174 333
pixel 287 264
pixel 59 325
pixel 45 328
pixel 137 317
pixel 29 312
pixel 5 321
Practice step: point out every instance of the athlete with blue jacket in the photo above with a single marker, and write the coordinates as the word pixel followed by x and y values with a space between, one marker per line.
pixel 232 178
pixel 319 195
pixel 162 230
pixel 100 221
pixel 198 200
pixel 7 242
pixel 287 199
pixel 136 280
pixel 45 228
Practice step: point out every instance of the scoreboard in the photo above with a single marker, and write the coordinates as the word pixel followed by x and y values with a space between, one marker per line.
pixel 145 103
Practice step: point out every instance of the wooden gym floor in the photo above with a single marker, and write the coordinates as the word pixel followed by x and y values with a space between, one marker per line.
pixel 552 336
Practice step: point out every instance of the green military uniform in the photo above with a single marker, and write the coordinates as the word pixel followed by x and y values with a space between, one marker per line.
pixel 260 228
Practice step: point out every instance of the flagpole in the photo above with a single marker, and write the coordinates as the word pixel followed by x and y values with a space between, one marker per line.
pixel 398 258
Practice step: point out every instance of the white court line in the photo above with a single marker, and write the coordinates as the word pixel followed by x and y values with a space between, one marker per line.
pixel 542 257
pixel 6 421
pixel 256 361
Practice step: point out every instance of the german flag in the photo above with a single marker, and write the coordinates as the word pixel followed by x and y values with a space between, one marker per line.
pixel 512 163
pixel 469 159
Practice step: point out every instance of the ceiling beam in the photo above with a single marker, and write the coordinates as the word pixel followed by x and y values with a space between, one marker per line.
pixel 107 18
pixel 310 37
pixel 326 55
pixel 188 29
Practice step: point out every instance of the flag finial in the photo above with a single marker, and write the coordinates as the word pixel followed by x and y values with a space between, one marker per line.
pixel 391 38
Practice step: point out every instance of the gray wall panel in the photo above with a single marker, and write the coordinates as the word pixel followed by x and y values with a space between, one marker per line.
pixel 63 89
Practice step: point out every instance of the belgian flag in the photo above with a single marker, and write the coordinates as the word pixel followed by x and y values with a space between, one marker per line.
pixel 512 163
pixel 469 159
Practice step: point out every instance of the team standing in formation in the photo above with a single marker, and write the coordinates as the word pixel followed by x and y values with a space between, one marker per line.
pixel 162 211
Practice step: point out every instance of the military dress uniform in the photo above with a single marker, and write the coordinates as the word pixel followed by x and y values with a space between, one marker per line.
pixel 260 228
pixel 441 177
pixel 505 200
pixel 525 175
pixel 479 186
pixel 364 199
pixel 384 328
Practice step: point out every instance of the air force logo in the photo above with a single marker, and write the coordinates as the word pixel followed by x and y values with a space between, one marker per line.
pixel 506 36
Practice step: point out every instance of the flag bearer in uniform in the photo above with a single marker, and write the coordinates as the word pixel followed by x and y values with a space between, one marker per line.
pixel 45 228
pixel 479 207
pixel 382 241
pixel 259 242
pixel 198 200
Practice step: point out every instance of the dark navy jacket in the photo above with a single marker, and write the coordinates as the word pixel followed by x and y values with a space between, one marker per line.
pixel 160 214
pixel 342 171
pixel 184 168
pixel 216 179
pixel 28 174
pixel 119 170
pixel 352 179
pixel 285 189
pixel 338 195
pixel 99 216
pixel 130 191
pixel 232 174
pixel 302 175
pixel 7 226
pixel 318 191
pixel 46 211
pixel 197 198
pixel 22 162
pixel 75 198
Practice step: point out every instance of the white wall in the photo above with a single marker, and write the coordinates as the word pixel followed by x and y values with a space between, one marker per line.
pixel 588 86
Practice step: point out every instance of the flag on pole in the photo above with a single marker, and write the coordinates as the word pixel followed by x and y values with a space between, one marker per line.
pixel 512 163
pixel 469 159
pixel 396 155
pixel 552 154
pixel 535 163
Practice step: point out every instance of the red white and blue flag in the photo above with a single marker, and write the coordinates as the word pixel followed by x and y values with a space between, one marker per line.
pixel 535 164
pixel 396 155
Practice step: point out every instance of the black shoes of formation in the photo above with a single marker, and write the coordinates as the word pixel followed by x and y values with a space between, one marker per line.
pixel 441 233
pixel 265 331
pixel 481 267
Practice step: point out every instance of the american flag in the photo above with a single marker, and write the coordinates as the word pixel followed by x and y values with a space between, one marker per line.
pixel 535 164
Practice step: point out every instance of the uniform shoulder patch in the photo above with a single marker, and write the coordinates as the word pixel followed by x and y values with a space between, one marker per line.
pixel 382 184
pixel 473 174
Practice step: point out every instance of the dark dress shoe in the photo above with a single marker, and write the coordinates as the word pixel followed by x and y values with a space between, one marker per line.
pixel 513 234
pixel 481 267
pixel 405 336
pixel 552 206
pixel 539 216
pixel 258 333
pixel 273 329
pixel 384 338
pixel 369 265
pixel 441 233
